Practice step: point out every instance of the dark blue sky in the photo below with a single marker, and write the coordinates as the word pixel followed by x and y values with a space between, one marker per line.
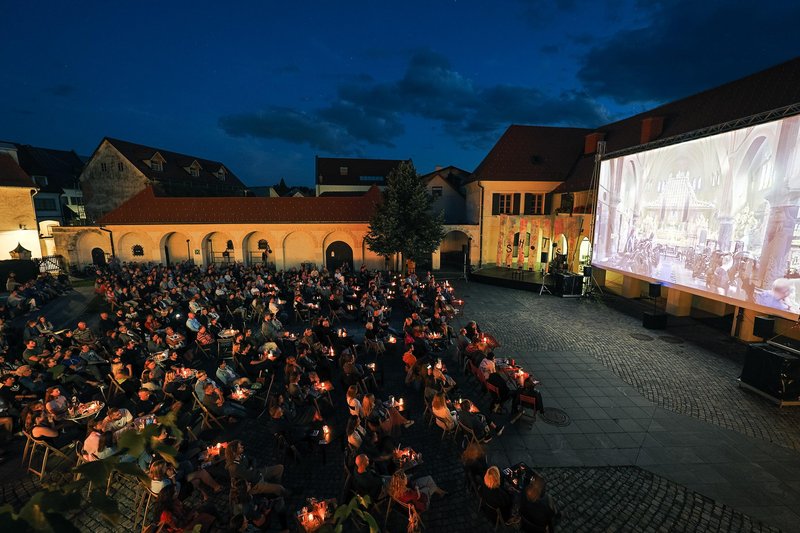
pixel 264 86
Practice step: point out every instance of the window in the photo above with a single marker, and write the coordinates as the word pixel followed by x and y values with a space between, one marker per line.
pixel 120 166
pixel 41 181
pixel 436 192
pixel 138 250
pixel 75 200
pixel 44 204
pixel 221 173
pixel 156 165
pixel 194 172
pixel 104 167
pixel 343 171
pixel 534 204
pixel 504 204
pixel 371 178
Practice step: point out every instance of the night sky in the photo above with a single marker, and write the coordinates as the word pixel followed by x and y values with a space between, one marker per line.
pixel 265 86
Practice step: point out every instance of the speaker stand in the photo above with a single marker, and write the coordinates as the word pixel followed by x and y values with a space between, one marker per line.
pixel 544 288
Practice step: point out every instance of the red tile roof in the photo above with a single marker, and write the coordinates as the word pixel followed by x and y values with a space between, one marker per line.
pixel 147 208
pixel 532 153
pixel 12 175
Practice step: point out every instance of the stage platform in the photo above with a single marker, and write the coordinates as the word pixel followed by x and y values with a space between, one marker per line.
pixel 564 284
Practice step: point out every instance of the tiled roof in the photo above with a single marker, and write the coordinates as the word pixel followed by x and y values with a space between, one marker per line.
pixel 532 153
pixel 12 175
pixel 147 208
pixel 174 175
pixel 61 167
pixel 455 176
pixel 328 170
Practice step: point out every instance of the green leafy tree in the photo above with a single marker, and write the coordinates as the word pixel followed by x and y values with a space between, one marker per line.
pixel 404 222
pixel 56 508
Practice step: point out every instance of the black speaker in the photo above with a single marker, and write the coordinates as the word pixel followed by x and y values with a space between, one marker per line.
pixel 544 257
pixel 654 320
pixel 655 290
pixel 773 371
pixel 587 271
pixel 763 326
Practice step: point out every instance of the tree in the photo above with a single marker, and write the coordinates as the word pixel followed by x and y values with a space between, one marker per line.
pixel 403 222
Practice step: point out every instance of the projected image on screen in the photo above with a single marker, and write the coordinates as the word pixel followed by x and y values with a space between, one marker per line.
pixel 716 216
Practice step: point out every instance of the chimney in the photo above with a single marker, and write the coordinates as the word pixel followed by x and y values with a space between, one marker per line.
pixel 591 140
pixel 438 167
pixel 651 129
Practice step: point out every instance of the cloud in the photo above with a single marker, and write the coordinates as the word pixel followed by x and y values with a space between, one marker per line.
pixel 62 89
pixel 688 46
pixel 287 125
pixel 370 113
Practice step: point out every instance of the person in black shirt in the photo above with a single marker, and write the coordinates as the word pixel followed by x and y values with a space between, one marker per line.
pixel 494 495
pixel 538 510
pixel 366 482
pixel 143 403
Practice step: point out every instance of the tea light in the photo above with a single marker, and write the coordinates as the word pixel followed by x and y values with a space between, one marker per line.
pixel 392 340
pixel 400 402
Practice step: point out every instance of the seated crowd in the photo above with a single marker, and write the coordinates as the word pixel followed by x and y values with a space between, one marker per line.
pixel 213 346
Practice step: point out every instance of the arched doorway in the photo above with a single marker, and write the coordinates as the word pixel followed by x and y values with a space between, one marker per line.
pixel 218 248
pixel 454 251
pixel 338 254
pixel 98 256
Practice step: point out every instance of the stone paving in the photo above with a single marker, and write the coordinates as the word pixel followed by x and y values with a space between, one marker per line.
pixel 629 403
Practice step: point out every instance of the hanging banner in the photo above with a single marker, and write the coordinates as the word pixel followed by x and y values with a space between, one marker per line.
pixel 511 225
pixel 522 243
pixel 501 239
pixel 535 254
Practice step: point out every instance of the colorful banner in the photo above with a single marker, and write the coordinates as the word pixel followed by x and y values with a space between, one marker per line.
pixel 511 224
pixel 501 239
pixel 523 243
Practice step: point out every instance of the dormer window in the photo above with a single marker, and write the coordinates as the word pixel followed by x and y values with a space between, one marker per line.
pixel 41 181
pixel 157 163
pixel 221 173
pixel 194 169
pixel 343 171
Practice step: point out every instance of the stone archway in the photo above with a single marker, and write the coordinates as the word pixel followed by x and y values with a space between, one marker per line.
pixel 453 251
pixel 87 244
pixel 176 248
pixel 218 248
pixel 299 249
pixel 337 255
pixel 98 256
pixel 257 248
pixel 135 247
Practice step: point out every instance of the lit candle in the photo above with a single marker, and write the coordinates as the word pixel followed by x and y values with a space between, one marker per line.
pixel 400 402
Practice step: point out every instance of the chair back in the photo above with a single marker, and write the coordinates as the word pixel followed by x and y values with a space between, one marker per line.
pixel 528 401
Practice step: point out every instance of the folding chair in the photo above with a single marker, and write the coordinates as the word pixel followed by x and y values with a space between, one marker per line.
pixel 209 420
pixel 206 352
pixel 144 498
pixel 225 348
pixel 442 423
pixel 494 392
pixel 529 402
pixel 114 389
pixel 498 515
pixel 467 431
pixel 408 507
pixel 47 451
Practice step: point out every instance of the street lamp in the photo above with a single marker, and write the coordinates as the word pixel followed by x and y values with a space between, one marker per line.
pixel 188 250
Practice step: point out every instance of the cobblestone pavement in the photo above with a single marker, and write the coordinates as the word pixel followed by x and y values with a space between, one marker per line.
pixel 610 498
pixel 674 368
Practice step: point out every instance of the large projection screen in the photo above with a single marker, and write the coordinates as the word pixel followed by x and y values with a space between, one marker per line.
pixel 715 216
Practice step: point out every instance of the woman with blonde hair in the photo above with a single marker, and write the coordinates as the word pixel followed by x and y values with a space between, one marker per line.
pixel 387 418
pixel 445 418
pixel 495 496
pixel 353 404
pixel 418 493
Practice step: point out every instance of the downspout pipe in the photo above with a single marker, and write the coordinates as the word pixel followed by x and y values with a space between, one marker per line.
pixel 110 238
pixel 480 224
